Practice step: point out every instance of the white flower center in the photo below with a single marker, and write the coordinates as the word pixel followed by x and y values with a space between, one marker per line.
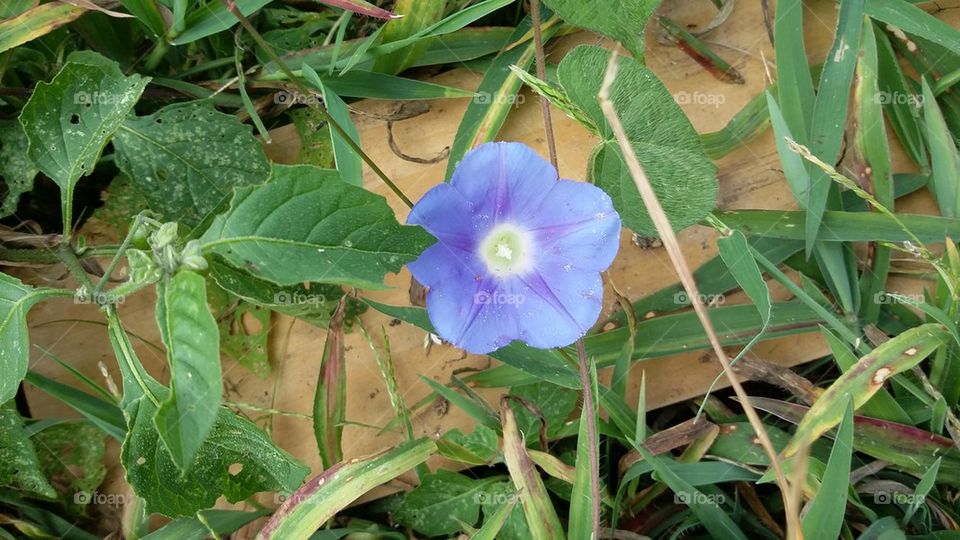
pixel 506 250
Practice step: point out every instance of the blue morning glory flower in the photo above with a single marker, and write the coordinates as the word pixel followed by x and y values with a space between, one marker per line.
pixel 518 253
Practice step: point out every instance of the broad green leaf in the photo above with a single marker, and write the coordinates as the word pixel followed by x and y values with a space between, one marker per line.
pixel 192 339
pixel 554 403
pixel 944 157
pixel 16 170
pixel 325 495
pixel 664 140
pixel 244 330
pixel 479 447
pixel 19 465
pixel 307 224
pixel 314 305
pixel 441 502
pixel 36 22
pixel 823 516
pixel 186 159
pixel 866 377
pixel 69 120
pixel 71 454
pixel 623 20
pixel 236 460
pixel 15 300
pixel 502 518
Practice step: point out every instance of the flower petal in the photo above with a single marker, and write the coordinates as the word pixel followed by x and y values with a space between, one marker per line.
pixel 559 307
pixel 445 214
pixel 501 177
pixel 575 225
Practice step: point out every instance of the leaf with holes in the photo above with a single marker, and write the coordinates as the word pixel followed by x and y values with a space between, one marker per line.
pixel 16 170
pixel 186 159
pixel 19 465
pixel 441 502
pixel 666 144
pixel 69 120
pixel 237 460
pixel 307 224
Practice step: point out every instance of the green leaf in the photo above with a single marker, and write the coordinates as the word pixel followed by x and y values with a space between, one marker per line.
pixel 581 499
pixel 369 84
pixel 554 403
pixel 414 16
pixel 623 20
pixel 911 19
pixel 842 226
pixel 69 120
pixel 823 516
pixel 441 502
pixel 107 416
pixel 313 305
pixel 16 170
pixel 71 455
pixel 944 157
pixel 864 378
pixel 330 397
pixel 348 162
pixel 479 447
pixel 186 159
pixel 36 22
pixel 213 17
pixel 15 300
pixel 664 140
pixel 325 495
pixel 19 465
pixel 502 518
pixel 192 339
pixel 237 460
pixel 191 528
pixel 148 13
pixel 306 224
pixel 244 330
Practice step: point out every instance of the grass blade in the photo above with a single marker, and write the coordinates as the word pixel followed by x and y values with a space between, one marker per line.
pixel 824 514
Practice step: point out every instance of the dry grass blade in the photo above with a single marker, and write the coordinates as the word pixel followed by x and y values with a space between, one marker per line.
pixel 662 224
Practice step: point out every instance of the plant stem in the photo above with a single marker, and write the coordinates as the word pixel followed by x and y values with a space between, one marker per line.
pixel 588 410
pixel 542 75
pixel 232 7
pixel 137 223
pixel 69 258
pixel 672 245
